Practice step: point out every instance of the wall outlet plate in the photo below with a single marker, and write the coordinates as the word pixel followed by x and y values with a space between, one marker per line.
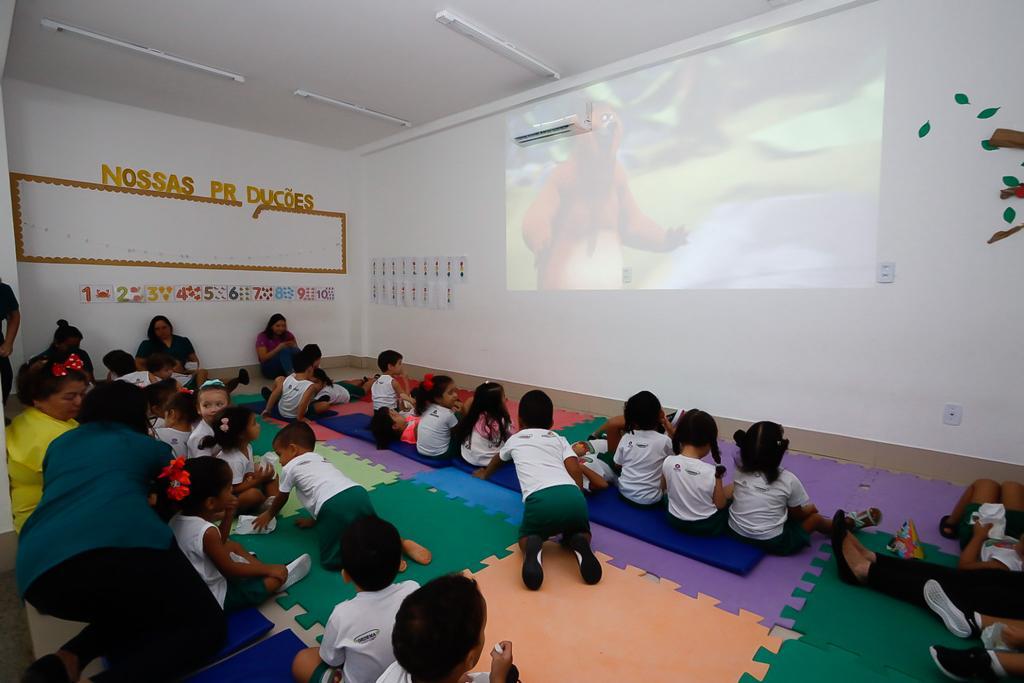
pixel 886 272
pixel 952 414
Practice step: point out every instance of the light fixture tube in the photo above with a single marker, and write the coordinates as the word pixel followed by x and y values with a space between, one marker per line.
pixel 152 52
pixel 494 44
pixel 353 107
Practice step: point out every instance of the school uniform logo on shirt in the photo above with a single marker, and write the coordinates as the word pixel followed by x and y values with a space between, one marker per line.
pixel 367 637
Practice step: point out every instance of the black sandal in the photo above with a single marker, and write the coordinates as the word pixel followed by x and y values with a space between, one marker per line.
pixel 839 532
pixel 948 529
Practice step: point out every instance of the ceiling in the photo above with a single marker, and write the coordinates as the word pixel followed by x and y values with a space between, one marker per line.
pixel 388 55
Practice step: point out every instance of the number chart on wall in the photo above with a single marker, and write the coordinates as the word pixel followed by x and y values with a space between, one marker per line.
pixel 197 293
pixel 416 281
pixel 118 223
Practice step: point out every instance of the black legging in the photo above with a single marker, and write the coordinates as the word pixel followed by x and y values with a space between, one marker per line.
pixel 994 592
pixel 146 609
pixel 6 378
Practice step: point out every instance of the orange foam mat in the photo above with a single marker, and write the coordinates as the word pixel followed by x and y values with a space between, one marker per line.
pixel 626 628
pixel 322 433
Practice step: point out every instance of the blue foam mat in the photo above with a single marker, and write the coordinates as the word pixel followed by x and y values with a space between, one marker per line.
pixel 476 491
pixel 505 476
pixel 358 427
pixel 269 661
pixel 258 406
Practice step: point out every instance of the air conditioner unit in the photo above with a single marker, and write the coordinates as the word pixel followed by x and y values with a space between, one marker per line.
pixel 574 124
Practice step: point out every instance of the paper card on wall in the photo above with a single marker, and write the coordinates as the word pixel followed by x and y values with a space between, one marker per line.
pixel 374 267
pixel 449 295
pixel 306 293
pixel 373 290
pixel 262 293
pixel 392 271
pixel 103 294
pixel 461 268
pixel 435 266
pixel 400 300
pixel 158 293
pixel 415 264
pixel 424 290
pixel 450 263
pixel 413 294
pixel 284 293
pixel 187 293
pixel 128 294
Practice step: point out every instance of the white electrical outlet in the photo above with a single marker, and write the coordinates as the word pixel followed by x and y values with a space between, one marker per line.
pixel 886 272
pixel 952 414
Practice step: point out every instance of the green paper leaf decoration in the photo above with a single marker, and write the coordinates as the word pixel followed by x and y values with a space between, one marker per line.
pixel 1010 181
pixel 961 98
pixel 988 113
pixel 925 129
pixel 985 144
pixel 1009 214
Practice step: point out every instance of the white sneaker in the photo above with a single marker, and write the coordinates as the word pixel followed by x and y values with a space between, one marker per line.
pixel 955 620
pixel 297 570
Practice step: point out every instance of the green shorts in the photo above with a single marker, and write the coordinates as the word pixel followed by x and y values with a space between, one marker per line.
pixel 336 514
pixel 1014 524
pixel 454 451
pixel 322 673
pixel 243 593
pixel 353 391
pixel 792 540
pixel 555 510
pixel 715 525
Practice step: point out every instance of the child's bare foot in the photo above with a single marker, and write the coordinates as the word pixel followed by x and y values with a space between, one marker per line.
pixel 416 552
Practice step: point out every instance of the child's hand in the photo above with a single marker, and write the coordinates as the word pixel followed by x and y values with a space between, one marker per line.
pixel 263 521
pixel 580 449
pixel 305 522
pixel 480 473
pixel 501 664
pixel 981 529
pixel 265 413
pixel 277 571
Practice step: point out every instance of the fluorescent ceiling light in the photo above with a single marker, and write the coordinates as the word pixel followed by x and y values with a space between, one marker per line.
pixel 135 47
pixel 494 44
pixel 353 107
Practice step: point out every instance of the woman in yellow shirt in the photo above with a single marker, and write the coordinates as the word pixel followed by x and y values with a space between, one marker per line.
pixel 54 392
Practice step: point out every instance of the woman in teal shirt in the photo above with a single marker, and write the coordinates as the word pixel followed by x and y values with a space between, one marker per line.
pixel 160 338
pixel 95 551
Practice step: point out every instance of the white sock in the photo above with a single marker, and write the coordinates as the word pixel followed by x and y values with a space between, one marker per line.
pixel 297 570
pixel 996 666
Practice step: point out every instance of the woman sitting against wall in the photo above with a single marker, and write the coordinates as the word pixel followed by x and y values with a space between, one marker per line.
pixel 275 347
pixel 188 372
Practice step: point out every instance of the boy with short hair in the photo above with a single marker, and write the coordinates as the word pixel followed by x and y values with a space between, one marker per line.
pixel 389 391
pixel 333 500
pixel 119 363
pixel 159 366
pixel 551 481
pixel 294 395
pixel 439 636
pixel 357 640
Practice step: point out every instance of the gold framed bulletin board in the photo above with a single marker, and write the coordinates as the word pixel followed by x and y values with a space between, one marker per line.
pixel 57 220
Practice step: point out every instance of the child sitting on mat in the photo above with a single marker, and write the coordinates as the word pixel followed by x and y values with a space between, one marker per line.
pixel 179 416
pixel 333 500
pixel 550 477
pixel 389 390
pixel 211 398
pixel 642 450
pixel 387 424
pixel 357 640
pixel 697 501
pixel 203 498
pixel 437 399
pixel 439 636
pixel 157 396
pixel 119 363
pixel 485 427
pixel 294 396
pixel 613 429
pixel 234 430
pixel 771 508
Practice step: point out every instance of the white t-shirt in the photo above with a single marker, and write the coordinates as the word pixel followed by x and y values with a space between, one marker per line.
pixel 140 379
pixel 199 432
pixel 434 433
pixel 691 487
pixel 189 532
pixel 383 393
pixel 240 463
pixel 759 509
pixel 334 393
pixel 177 439
pixel 396 674
pixel 539 455
pixel 1001 550
pixel 483 444
pixel 357 639
pixel 598 465
pixel 292 392
pixel 640 453
pixel 314 479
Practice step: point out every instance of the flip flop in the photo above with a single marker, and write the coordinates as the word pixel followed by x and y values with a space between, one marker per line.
pixel 947 529
pixel 865 518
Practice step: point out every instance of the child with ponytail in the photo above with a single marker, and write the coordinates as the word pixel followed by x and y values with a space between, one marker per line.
pixel 234 430
pixel 485 427
pixel 198 494
pixel 437 399
pixel 697 501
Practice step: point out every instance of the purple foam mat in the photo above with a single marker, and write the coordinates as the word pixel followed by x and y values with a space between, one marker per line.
pixel 405 467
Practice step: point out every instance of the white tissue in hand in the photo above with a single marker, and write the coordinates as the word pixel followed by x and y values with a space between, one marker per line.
pixel 244 525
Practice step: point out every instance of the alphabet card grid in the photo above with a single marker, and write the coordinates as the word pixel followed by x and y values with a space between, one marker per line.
pixel 193 293
pixel 416 281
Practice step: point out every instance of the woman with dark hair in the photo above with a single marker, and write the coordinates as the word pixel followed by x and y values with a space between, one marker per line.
pixel 160 338
pixel 67 339
pixel 94 551
pixel 53 393
pixel 276 347
pixel 8 312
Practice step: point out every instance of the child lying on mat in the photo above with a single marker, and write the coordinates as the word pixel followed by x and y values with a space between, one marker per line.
pixel 439 636
pixel 357 640
pixel 550 477
pixel 959 524
pixel 485 426
pixel 333 500
pixel 771 508
pixel 235 428
pixel 697 501
pixel 389 390
pixel 236 578
pixel 437 400
pixel 387 425
pixel 294 396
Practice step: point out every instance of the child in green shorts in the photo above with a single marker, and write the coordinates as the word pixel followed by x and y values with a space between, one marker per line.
pixel 698 502
pixel 550 478
pixel 960 523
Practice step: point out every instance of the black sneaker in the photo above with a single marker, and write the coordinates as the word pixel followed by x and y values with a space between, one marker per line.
pixel 265 392
pixel 959 622
pixel 839 532
pixel 243 376
pixel 590 566
pixel 533 572
pixel 964 665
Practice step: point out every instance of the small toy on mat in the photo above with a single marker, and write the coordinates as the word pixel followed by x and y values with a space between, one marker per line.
pixel 906 544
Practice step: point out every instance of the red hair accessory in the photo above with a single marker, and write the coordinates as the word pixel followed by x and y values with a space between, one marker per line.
pixel 428 382
pixel 73 362
pixel 183 390
pixel 177 487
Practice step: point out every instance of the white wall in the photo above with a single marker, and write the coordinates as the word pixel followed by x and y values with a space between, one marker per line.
pixel 875 363
pixel 55 133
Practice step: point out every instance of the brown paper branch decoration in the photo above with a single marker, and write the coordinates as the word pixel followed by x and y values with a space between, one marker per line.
pixel 1003 234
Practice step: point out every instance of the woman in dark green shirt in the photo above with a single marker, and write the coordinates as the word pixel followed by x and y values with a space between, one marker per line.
pixel 95 551
pixel 160 338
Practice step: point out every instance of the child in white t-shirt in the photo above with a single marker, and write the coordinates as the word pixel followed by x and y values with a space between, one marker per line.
pixel 389 390
pixel 201 501
pixel 770 507
pixel 234 430
pixel 159 366
pixel 983 552
pixel 332 499
pixel 211 398
pixel 179 416
pixel 551 481
pixel 642 450
pixel 485 426
pixel 437 399
pixel 357 639
pixel 294 395
pixel 597 473
pixel 439 636
pixel 697 500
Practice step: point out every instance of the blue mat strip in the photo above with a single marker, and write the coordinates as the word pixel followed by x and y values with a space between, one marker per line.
pixel 269 661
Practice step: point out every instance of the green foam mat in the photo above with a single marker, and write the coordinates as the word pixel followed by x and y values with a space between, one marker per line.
pixel 798 662
pixel 882 631
pixel 265 443
pixel 459 536
pixel 580 432
pixel 242 399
